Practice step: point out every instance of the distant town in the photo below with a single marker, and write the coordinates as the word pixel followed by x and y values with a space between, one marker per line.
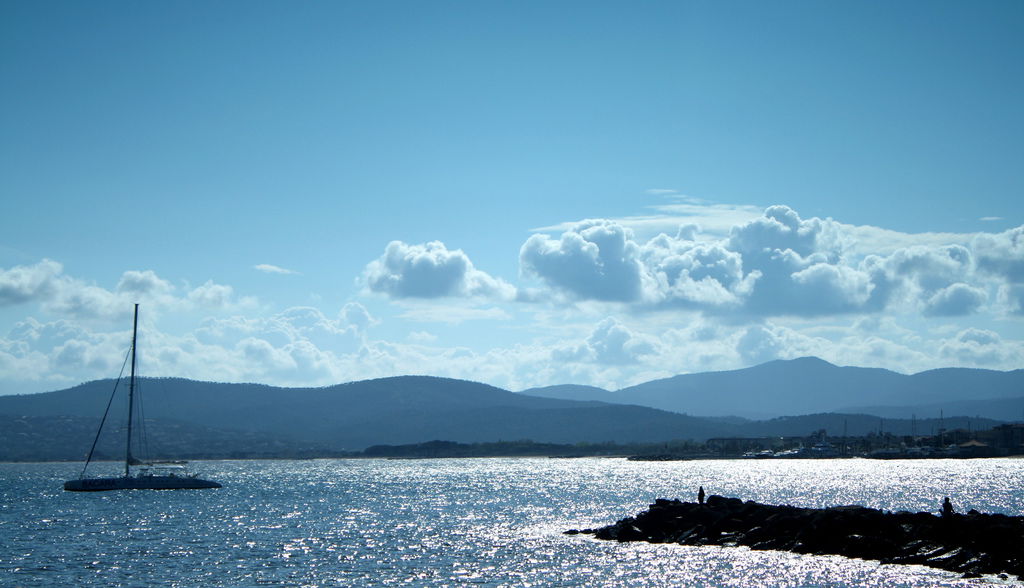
pixel 1001 441
pixel 22 443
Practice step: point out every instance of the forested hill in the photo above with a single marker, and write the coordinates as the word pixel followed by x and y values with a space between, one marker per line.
pixel 190 418
pixel 810 385
pixel 408 409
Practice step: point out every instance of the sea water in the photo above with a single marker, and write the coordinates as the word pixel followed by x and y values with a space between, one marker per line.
pixel 458 522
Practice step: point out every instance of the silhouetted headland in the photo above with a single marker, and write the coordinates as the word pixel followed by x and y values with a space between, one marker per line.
pixel 972 543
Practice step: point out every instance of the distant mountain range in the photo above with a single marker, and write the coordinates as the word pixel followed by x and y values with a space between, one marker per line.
pixel 400 410
pixel 810 385
pixel 193 419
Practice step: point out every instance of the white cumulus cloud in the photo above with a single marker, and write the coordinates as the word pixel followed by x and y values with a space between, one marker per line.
pixel 609 343
pixel 955 300
pixel 431 270
pixel 595 259
pixel 776 265
pixel 982 348
pixel 25 283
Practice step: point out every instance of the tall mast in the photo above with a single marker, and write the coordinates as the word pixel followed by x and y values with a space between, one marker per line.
pixel 131 396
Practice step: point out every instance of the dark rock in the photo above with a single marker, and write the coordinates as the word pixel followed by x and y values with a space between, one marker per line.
pixel 971 544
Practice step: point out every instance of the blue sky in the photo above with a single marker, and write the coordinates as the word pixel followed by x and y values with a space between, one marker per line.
pixel 519 193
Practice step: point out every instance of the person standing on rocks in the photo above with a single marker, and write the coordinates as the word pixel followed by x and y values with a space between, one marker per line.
pixel 947 507
pixel 700 495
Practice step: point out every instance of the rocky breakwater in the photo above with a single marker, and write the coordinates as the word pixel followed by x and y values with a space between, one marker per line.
pixel 972 543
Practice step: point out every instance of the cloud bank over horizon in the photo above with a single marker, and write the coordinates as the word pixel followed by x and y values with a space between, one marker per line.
pixel 599 302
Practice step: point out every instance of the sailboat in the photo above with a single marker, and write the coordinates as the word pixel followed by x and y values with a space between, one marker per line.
pixel 146 475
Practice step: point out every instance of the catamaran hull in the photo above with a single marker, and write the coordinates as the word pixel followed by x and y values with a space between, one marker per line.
pixel 138 483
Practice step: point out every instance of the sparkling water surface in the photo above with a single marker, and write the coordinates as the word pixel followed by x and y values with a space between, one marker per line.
pixel 458 522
